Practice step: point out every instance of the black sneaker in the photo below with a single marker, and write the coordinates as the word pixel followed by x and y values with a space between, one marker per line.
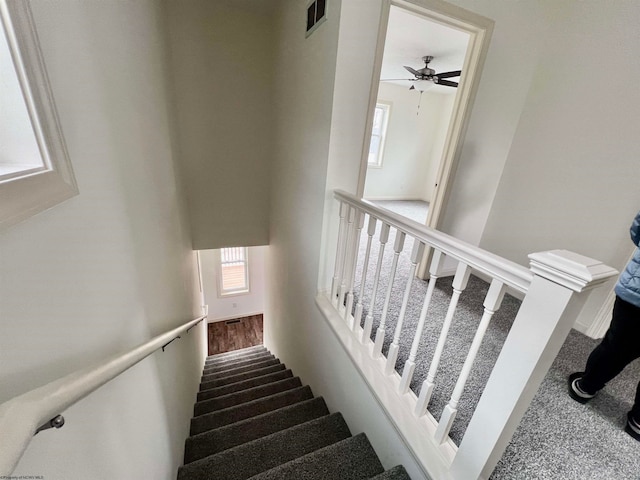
pixel 633 427
pixel 575 391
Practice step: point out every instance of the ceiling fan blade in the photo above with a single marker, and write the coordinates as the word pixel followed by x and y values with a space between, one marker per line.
pixel 447 83
pixel 412 71
pixel 454 73
pixel 398 79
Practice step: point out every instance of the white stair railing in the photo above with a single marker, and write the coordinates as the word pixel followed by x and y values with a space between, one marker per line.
pixel 553 289
pixel 459 284
pixel 371 230
pixel 392 356
pixel 27 414
pixel 359 223
pixel 368 322
pixel 410 364
pixel 491 305
pixel 380 333
pixel 338 269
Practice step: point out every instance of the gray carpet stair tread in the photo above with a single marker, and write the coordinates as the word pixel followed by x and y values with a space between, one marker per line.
pixel 244 384
pixel 250 409
pixel 239 362
pixel 238 377
pixel 223 438
pixel 234 371
pixel 244 396
pixel 237 358
pixel 231 357
pixel 350 459
pixel 395 473
pixel 265 453
pixel 235 353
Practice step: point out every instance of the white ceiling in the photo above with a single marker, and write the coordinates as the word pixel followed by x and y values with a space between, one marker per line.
pixel 411 37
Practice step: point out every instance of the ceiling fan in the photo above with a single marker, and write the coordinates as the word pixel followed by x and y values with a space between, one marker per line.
pixel 430 75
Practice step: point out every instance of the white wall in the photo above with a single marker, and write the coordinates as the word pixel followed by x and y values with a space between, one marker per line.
pixel 410 145
pixel 294 328
pixel 439 138
pixel 511 61
pixel 111 267
pixel 570 180
pixel 222 72
pixel 236 305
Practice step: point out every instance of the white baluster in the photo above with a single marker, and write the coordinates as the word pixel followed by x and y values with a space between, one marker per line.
pixel 335 282
pixel 410 364
pixel 459 284
pixel 368 321
pixel 371 230
pixel 348 255
pixel 560 286
pixel 359 223
pixel 392 356
pixel 491 304
pixel 380 333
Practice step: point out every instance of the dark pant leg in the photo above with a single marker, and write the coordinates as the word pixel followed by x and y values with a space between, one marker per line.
pixel 619 347
pixel 635 411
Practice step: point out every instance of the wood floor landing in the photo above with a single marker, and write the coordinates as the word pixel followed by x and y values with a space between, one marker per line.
pixel 235 334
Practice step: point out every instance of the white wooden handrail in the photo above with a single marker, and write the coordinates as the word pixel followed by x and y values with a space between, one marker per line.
pixel 510 273
pixel 21 417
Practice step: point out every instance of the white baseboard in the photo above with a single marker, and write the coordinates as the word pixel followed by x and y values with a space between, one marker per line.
pixel 405 198
pixel 601 321
pixel 232 317
pixel 581 327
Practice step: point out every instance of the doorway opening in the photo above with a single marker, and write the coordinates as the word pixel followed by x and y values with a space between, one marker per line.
pixel 233 289
pixel 429 38
pixel 421 68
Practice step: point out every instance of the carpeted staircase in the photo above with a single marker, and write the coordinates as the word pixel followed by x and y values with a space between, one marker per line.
pixel 254 419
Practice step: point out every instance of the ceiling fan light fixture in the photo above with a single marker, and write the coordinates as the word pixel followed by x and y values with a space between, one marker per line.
pixel 422 85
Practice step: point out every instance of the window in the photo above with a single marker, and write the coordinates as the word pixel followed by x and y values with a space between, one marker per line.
pixel 378 133
pixel 20 152
pixel 35 171
pixel 233 274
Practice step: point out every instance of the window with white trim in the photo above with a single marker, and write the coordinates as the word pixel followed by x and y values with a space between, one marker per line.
pixel 233 271
pixel 35 170
pixel 378 134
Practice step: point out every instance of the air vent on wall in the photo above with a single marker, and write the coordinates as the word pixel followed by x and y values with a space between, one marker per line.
pixel 316 15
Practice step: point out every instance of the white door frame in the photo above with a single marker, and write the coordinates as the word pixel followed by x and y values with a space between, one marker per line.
pixel 479 29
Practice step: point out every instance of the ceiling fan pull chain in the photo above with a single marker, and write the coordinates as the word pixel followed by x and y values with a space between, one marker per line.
pixel 419 102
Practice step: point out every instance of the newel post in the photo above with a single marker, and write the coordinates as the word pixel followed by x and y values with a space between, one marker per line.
pixel 560 285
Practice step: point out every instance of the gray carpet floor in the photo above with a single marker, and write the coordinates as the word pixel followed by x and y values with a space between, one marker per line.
pixel 558 438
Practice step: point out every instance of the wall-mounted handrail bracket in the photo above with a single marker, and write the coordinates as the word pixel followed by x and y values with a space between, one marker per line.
pixel 191 327
pixel 169 342
pixel 55 422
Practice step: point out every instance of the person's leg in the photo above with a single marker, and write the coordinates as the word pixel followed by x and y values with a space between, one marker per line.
pixel 633 418
pixel 635 411
pixel 619 347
